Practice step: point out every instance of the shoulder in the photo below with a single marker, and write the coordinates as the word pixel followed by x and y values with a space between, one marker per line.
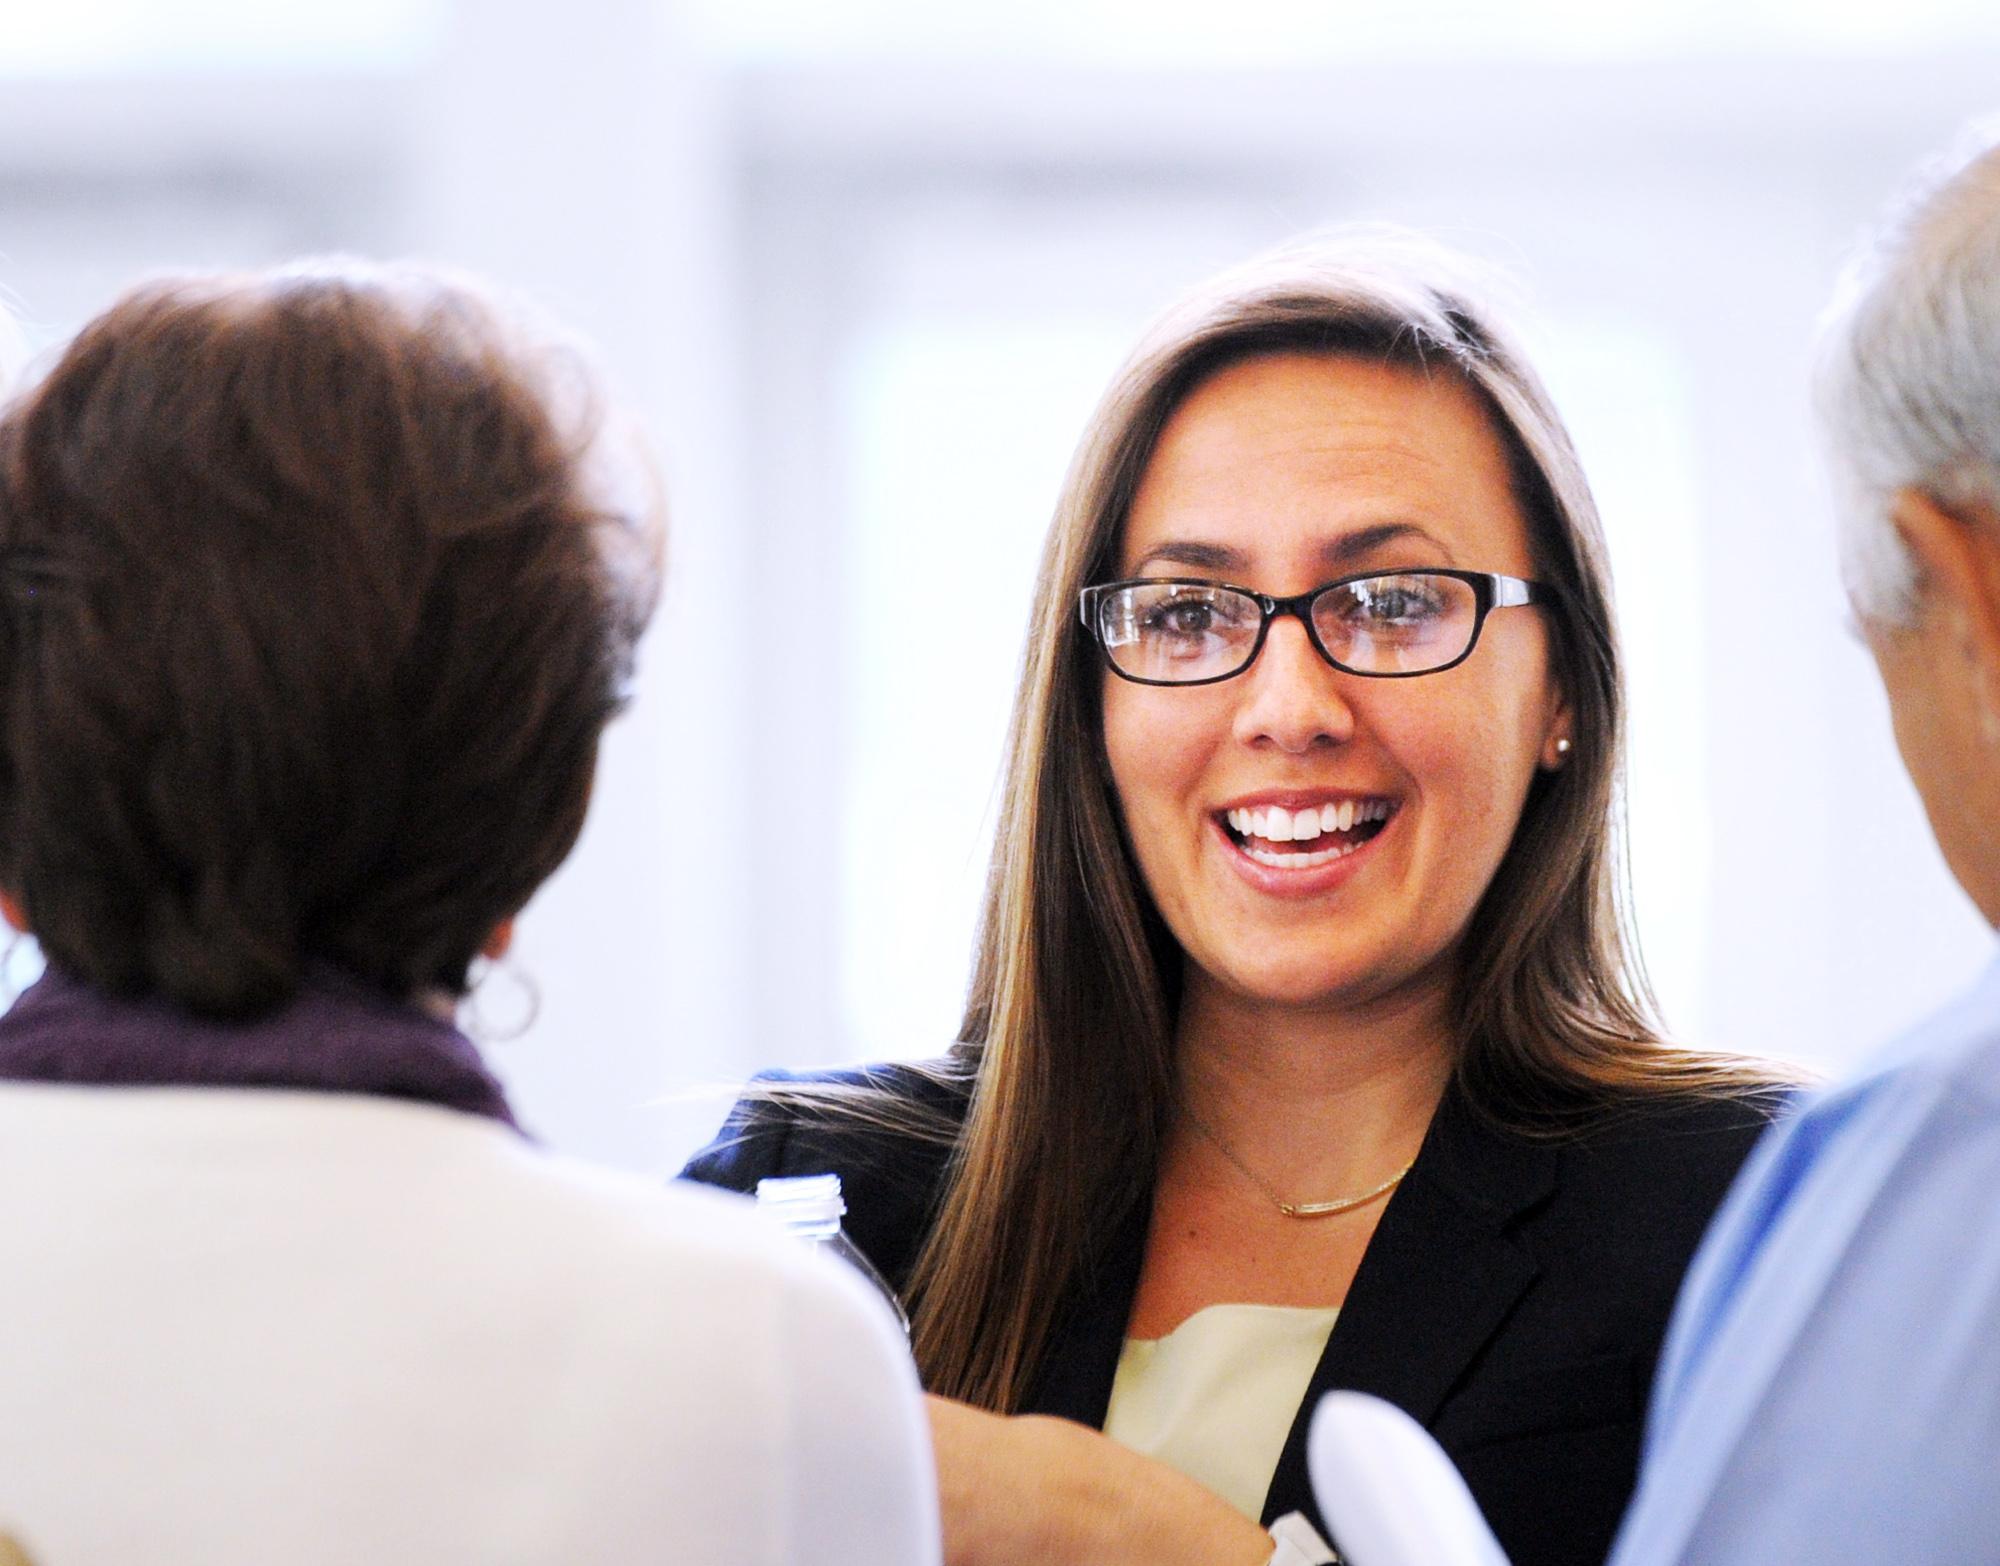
pixel 888 1131
pixel 717 1348
pixel 1888 1145
pixel 793 1122
pixel 1660 1166
pixel 1925 1105
pixel 673 1265
pixel 668 1332
pixel 483 1213
pixel 1697 1132
pixel 1872 1160
pixel 1950 1061
pixel 1650 1147
pixel 1618 1204
pixel 1844 1245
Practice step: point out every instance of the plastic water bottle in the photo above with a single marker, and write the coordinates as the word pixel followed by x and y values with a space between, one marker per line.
pixel 809 1208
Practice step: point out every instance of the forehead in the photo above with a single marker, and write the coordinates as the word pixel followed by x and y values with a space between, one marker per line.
pixel 1303 466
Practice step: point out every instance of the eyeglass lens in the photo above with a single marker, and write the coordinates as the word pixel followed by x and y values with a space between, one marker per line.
pixel 1179 632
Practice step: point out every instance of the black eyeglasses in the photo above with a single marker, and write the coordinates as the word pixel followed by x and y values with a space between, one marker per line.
pixel 1386 625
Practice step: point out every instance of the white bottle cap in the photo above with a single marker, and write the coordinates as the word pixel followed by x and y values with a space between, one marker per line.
pixel 802 1199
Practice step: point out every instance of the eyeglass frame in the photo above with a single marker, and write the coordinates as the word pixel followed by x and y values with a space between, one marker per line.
pixel 1490 590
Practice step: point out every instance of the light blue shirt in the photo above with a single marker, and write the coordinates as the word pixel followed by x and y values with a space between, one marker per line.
pixel 1830 1387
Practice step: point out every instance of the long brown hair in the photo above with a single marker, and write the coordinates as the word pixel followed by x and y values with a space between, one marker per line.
pixel 1067 1038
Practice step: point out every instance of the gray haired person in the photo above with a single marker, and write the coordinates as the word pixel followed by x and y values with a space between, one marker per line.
pixel 1831 1386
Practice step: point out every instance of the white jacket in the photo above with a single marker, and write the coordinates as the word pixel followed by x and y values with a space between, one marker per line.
pixel 245 1327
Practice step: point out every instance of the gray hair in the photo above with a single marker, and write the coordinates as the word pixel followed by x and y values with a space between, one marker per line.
pixel 1909 371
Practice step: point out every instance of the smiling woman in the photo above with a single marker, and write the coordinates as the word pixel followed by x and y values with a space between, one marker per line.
pixel 1303 1049
pixel 1283 469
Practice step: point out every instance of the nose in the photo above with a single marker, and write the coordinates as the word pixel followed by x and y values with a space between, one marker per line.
pixel 1292 698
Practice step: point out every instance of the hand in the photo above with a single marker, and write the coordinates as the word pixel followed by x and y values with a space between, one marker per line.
pixel 1035 1491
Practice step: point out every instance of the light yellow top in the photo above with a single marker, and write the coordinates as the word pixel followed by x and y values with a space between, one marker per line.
pixel 1216 1397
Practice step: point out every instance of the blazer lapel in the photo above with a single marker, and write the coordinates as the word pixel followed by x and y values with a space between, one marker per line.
pixel 1439 1276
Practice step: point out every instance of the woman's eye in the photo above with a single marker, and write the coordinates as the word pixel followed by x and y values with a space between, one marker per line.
pixel 1193 614
pixel 1396 606
pixel 1196 625
pixel 1182 619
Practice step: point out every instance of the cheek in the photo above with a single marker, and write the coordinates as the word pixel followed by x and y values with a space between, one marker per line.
pixel 1120 726
pixel 1159 745
pixel 1472 761
pixel 1156 743
pixel 1930 733
pixel 1943 759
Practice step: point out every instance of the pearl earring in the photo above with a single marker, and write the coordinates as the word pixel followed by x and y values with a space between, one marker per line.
pixel 1562 747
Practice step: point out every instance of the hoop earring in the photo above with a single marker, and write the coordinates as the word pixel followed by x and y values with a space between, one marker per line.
pixel 10 987
pixel 527 1004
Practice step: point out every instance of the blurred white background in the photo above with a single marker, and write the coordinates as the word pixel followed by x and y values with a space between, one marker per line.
pixel 863 268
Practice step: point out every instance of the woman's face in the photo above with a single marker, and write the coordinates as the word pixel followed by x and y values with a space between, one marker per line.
pixel 1282 473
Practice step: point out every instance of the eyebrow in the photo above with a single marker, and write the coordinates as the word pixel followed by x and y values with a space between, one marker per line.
pixel 1344 550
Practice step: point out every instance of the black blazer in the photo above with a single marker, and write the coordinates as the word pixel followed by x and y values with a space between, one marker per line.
pixel 1512 1299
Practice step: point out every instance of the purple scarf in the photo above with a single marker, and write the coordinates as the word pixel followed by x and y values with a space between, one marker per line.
pixel 335 1036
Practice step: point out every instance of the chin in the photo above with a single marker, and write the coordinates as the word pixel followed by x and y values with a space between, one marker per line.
pixel 1304 988
pixel 1315 978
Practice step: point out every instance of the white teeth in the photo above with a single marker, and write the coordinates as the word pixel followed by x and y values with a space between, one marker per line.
pixel 1275 824
pixel 1323 856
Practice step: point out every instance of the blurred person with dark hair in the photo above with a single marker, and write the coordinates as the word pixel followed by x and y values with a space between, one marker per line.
pixel 317 598
pixel 1831 1387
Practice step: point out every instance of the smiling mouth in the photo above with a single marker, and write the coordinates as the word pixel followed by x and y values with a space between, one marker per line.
pixel 1304 839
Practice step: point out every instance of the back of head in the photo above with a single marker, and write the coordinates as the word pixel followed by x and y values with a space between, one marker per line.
pixel 1909 375
pixel 312 618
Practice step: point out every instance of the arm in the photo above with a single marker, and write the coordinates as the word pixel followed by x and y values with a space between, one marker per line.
pixel 1036 1491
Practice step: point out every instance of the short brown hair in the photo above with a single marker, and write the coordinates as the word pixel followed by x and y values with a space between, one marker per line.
pixel 313 618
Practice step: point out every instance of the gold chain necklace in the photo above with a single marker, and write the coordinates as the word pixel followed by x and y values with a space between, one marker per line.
pixel 1340 1204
